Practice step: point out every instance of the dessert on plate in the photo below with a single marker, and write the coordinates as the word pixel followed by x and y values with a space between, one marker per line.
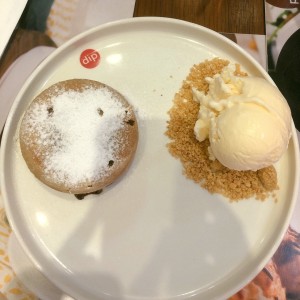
pixel 78 136
pixel 229 129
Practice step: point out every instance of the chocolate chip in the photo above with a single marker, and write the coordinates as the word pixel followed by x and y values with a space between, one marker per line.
pixel 100 112
pixel 50 111
pixel 130 122
pixel 110 163
pixel 82 196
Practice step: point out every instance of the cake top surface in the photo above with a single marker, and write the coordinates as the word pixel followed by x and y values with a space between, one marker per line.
pixel 75 131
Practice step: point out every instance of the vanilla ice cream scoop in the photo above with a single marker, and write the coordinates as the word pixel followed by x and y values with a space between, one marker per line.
pixel 246 119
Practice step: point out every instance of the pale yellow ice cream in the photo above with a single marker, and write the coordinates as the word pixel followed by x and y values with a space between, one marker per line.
pixel 246 119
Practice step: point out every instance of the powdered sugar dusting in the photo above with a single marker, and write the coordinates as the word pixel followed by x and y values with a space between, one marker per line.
pixel 79 129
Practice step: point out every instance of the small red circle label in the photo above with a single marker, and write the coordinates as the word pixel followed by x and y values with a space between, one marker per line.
pixel 89 58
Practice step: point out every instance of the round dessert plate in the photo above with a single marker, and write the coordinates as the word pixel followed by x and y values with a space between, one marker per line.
pixel 153 234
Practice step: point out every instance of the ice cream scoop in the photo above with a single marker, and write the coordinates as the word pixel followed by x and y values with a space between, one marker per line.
pixel 246 119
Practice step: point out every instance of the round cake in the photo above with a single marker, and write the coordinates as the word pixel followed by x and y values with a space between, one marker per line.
pixel 78 136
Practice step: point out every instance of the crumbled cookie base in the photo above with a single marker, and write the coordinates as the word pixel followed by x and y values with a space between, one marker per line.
pixel 197 166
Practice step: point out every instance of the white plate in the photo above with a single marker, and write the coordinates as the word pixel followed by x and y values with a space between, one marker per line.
pixel 30 276
pixel 153 234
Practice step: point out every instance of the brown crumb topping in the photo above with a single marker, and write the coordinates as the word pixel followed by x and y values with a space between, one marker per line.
pixel 194 156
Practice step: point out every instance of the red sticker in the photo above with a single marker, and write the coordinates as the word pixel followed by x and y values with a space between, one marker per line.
pixel 89 58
